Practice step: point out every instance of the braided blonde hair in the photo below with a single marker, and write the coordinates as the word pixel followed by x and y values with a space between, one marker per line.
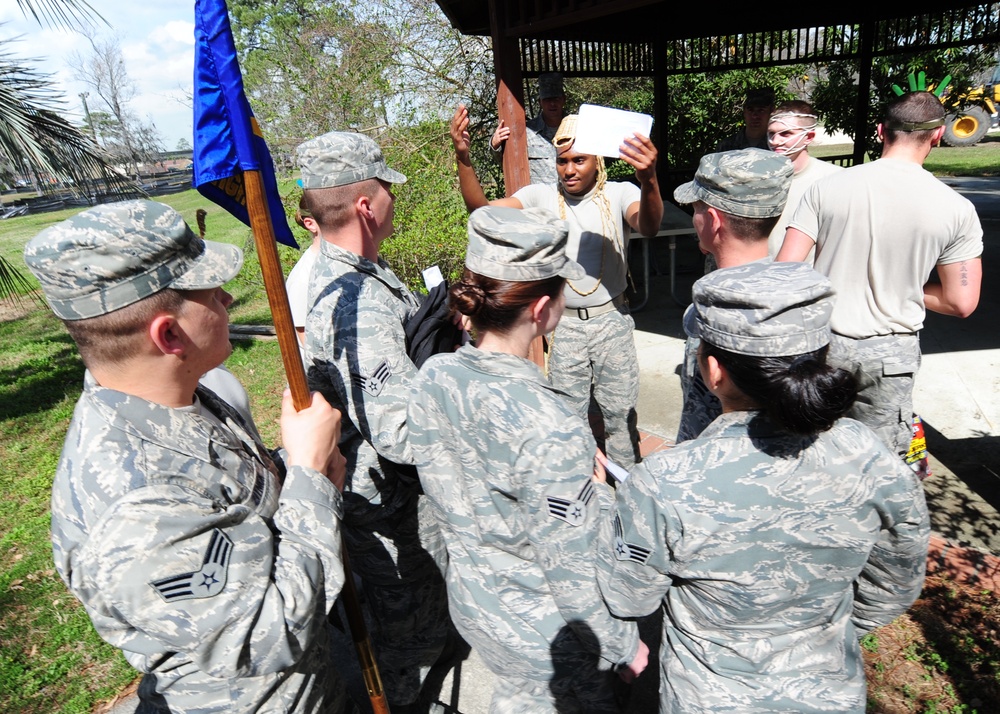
pixel 563 141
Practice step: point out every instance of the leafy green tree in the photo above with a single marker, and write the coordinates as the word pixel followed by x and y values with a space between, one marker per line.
pixel 704 108
pixel 431 217
pixel 312 66
pixel 834 93
pixel 394 70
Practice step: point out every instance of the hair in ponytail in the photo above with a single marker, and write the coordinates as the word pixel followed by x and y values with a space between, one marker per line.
pixel 801 394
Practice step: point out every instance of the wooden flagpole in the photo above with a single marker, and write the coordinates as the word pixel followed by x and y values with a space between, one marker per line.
pixel 277 297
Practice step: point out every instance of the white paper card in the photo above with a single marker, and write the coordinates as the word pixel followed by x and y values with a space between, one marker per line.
pixel 432 276
pixel 601 130
pixel 617 471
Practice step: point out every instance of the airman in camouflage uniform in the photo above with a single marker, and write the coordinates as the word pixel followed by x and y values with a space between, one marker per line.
pixel 508 468
pixel 757 108
pixel 539 130
pixel 748 184
pixel 209 565
pixel 773 553
pixel 356 356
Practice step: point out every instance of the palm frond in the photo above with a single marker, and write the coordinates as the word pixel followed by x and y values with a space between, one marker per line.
pixel 33 136
pixel 13 284
pixel 67 14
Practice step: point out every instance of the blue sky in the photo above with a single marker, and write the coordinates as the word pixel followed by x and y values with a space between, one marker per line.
pixel 157 41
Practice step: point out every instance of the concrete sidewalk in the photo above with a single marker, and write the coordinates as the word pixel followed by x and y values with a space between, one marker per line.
pixel 957 395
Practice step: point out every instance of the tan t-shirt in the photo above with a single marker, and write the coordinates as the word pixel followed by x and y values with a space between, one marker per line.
pixel 813 172
pixel 599 248
pixel 880 229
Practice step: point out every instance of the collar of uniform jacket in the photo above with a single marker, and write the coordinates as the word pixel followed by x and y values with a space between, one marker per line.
pixel 159 424
pixel 379 271
pixel 752 422
pixel 501 364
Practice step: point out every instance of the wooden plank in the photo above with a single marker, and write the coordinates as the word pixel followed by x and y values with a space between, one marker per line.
pixel 510 103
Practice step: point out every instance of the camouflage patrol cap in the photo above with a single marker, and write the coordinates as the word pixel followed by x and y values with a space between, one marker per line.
pixel 519 245
pixel 550 85
pixel 752 183
pixel 764 309
pixel 116 254
pixel 340 158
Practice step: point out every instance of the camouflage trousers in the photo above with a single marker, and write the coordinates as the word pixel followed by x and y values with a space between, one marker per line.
pixel 597 357
pixel 579 684
pixel 405 602
pixel 885 367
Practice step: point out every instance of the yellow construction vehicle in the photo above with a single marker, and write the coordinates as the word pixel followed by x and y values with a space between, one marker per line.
pixel 969 124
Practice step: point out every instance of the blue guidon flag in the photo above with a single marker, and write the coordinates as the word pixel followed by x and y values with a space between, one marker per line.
pixel 227 140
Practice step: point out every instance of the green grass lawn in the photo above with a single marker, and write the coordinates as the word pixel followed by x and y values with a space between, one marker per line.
pixel 983 159
pixel 50 657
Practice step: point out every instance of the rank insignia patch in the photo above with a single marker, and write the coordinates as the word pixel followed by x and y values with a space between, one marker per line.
pixel 628 551
pixel 373 383
pixel 573 511
pixel 206 582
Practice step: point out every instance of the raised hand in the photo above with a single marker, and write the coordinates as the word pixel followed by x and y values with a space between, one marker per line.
pixel 501 135
pixel 638 151
pixel 459 130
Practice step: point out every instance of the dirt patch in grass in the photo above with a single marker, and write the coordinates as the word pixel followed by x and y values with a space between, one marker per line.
pixel 14 308
pixel 943 655
pixel 129 691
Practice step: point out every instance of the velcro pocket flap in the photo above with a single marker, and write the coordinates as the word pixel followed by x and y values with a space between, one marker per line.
pixel 898 366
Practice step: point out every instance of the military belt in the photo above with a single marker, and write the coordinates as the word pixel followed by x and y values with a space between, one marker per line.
pixel 588 313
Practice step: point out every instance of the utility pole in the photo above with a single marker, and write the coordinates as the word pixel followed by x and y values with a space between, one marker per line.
pixel 86 114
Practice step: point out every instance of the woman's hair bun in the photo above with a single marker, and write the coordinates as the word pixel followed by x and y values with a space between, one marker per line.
pixel 468 298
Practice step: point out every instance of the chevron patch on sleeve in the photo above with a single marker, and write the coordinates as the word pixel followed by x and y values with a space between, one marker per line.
pixel 373 383
pixel 572 510
pixel 628 551
pixel 206 582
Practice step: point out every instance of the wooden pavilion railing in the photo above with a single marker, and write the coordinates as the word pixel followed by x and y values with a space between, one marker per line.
pixel 579 58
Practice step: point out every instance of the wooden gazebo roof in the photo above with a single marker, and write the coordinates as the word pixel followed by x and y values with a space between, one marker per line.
pixel 657 20
pixel 649 38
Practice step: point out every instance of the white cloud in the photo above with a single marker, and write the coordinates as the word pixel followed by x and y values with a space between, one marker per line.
pixel 177 31
pixel 157 41
pixel 154 69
